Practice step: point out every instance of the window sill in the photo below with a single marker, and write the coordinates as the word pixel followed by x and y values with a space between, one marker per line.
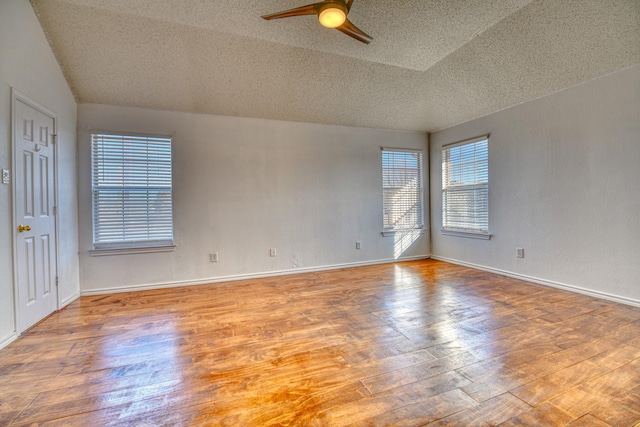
pixel 464 233
pixel 128 251
pixel 394 232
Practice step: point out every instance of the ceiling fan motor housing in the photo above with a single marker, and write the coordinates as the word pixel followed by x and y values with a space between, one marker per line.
pixel 332 14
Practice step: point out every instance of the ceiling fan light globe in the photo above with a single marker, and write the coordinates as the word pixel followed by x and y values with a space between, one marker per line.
pixel 332 16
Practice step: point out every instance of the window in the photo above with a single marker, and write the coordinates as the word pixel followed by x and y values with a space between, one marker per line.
pixel 402 191
pixel 465 188
pixel 132 191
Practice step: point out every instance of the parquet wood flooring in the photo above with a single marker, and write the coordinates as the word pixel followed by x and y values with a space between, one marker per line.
pixel 406 344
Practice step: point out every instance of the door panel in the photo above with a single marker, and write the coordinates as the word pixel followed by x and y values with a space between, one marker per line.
pixel 44 186
pixel 27 185
pixel 30 269
pixel 35 253
pixel 46 264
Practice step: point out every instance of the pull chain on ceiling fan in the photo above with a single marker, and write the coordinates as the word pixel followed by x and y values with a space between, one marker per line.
pixel 331 14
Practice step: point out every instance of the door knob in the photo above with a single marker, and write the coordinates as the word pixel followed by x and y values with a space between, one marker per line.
pixel 22 228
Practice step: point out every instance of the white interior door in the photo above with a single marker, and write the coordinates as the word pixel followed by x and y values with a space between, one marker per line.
pixel 35 234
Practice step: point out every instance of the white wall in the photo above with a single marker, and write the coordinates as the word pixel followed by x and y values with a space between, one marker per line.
pixel 564 183
pixel 242 186
pixel 27 63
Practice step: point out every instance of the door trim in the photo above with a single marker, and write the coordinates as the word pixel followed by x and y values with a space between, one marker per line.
pixel 18 96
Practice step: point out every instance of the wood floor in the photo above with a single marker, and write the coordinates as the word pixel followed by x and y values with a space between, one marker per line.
pixel 408 344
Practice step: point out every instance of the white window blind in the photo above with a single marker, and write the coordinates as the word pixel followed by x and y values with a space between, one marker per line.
pixel 402 190
pixel 465 186
pixel 132 191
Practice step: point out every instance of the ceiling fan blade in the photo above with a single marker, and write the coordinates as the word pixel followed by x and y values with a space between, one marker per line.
pixel 310 9
pixel 351 30
pixel 348 4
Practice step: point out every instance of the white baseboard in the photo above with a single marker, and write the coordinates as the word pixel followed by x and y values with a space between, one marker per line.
pixel 65 302
pixel 544 282
pixel 8 340
pixel 231 278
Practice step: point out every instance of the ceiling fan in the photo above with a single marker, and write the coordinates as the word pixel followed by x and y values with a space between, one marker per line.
pixel 331 14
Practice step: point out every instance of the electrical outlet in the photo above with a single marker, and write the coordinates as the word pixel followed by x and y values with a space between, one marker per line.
pixel 519 253
pixel 272 252
pixel 213 256
pixel 358 245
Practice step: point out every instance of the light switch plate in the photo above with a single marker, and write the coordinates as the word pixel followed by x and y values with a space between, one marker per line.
pixel 5 176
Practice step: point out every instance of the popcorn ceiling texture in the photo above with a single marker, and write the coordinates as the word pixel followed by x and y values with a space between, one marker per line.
pixel 432 64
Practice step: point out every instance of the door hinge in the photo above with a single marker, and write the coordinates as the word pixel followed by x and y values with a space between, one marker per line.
pixel 55 210
pixel 56 281
pixel 54 138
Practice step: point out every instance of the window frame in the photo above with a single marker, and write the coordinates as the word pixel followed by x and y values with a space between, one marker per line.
pixel 477 233
pixel 419 226
pixel 130 246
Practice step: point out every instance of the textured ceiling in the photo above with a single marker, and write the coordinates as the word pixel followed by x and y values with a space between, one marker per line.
pixel 432 63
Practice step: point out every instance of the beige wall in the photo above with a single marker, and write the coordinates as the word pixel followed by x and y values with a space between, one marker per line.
pixel 242 186
pixel 564 184
pixel 27 63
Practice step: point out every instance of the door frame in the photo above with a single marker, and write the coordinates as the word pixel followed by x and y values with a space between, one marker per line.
pixel 18 96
